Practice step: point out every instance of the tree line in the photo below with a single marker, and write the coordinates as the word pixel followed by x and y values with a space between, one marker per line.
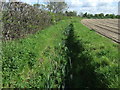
pixel 56 7
pixel 100 16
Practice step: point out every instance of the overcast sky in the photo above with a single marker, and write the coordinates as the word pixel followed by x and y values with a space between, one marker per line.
pixel 90 6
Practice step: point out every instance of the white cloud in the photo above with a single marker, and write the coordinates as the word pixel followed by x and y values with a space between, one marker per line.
pixel 95 6
pixel 90 6
pixel 91 3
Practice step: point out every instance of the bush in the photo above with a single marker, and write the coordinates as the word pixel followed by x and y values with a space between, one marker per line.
pixel 20 19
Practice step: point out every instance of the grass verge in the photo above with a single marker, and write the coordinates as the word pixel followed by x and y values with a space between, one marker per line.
pixel 97 59
pixel 35 61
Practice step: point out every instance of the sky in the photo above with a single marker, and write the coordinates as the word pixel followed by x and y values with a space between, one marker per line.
pixel 90 6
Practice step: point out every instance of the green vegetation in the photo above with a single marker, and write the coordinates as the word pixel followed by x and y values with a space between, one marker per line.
pixel 56 7
pixel 101 16
pixel 67 54
pixel 35 61
pixel 21 19
pixel 94 59
pixel 71 13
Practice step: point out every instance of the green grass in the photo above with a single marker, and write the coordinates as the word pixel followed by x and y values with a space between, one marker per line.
pixel 63 55
pixel 35 55
pixel 103 53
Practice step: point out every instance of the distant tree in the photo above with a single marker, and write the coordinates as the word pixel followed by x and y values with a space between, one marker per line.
pixel 74 13
pixel 89 15
pixel 56 7
pixel 36 5
pixel 107 16
pixel 85 15
pixel 50 7
pixel 117 16
pixel 71 13
pixel 96 16
pixel 112 16
pixel 101 15
pixel 40 6
pixel 66 13
pixel 80 14
pixel 43 7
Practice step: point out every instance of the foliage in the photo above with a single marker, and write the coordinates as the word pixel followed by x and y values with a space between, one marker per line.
pixel 20 19
pixel 65 55
pixel 56 7
pixel 35 61
pixel 71 13
pixel 101 57
pixel 100 16
pixel 40 6
pixel 36 5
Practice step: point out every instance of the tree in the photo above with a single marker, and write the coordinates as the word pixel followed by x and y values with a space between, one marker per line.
pixel 97 16
pixel 90 16
pixel 107 16
pixel 117 16
pixel 71 13
pixel 43 7
pixel 101 15
pixel 85 15
pixel 81 14
pixel 112 16
pixel 36 5
pixel 56 7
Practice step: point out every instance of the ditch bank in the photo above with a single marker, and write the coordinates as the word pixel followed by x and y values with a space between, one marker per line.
pixel 80 72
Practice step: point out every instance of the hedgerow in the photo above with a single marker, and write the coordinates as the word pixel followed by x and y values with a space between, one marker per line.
pixel 20 19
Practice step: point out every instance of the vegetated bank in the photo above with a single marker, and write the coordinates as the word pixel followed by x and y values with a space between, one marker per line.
pixel 64 55
pixel 92 60
pixel 98 59
pixel 36 61
pixel 27 62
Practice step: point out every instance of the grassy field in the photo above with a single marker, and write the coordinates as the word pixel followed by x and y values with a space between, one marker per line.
pixel 67 54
